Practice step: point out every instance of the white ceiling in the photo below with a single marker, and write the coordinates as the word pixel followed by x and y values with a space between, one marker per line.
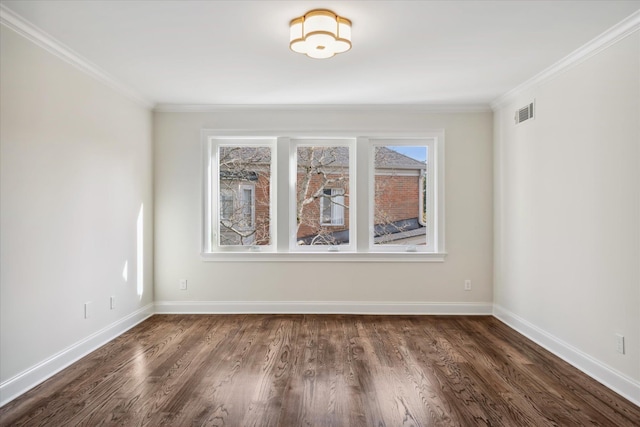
pixel 404 52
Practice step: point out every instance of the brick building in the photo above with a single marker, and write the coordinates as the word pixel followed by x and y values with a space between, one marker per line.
pixel 322 196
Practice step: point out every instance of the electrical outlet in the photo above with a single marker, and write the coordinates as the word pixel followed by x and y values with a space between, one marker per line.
pixel 183 284
pixel 112 303
pixel 467 285
pixel 620 343
pixel 87 310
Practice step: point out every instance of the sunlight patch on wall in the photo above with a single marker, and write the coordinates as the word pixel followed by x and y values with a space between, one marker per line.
pixel 125 271
pixel 140 251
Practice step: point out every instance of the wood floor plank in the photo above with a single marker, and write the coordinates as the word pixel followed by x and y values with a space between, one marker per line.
pixel 169 404
pixel 320 370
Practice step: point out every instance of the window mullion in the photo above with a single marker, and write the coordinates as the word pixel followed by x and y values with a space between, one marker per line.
pixel 363 203
pixel 207 196
pixel 282 208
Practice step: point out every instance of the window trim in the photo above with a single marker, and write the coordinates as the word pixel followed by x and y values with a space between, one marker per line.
pixel 431 177
pixel 211 190
pixel 294 143
pixel 280 249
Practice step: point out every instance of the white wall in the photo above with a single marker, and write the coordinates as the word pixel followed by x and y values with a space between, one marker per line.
pixel 178 207
pixel 75 170
pixel 567 209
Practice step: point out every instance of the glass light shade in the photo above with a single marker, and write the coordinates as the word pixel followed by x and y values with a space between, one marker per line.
pixel 320 45
pixel 320 21
pixel 296 41
pixel 343 41
pixel 320 34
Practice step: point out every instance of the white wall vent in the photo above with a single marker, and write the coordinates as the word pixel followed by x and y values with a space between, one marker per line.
pixel 524 113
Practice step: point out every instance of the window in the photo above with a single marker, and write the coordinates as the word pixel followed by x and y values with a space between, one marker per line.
pixel 239 194
pixel 237 214
pixel 305 209
pixel 402 207
pixel 323 169
pixel 332 207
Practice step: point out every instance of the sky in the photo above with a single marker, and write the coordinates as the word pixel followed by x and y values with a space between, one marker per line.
pixel 415 152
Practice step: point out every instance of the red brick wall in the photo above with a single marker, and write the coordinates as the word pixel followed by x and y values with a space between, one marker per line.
pixel 262 212
pixel 396 198
pixel 311 214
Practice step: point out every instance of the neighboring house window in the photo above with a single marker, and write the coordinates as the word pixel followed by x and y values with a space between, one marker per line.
pixel 247 206
pixel 399 191
pixel 226 205
pixel 332 207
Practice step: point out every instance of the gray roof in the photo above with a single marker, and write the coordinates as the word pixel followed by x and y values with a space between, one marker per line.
pixel 329 156
pixel 390 159
pixel 385 158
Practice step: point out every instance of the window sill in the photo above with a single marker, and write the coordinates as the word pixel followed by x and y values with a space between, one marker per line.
pixel 323 257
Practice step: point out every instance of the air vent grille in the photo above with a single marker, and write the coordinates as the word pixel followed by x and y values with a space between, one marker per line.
pixel 524 113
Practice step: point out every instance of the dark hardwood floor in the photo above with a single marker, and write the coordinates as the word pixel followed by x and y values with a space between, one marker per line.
pixel 320 370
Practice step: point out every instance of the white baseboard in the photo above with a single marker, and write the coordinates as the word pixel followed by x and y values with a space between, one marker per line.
pixel 26 380
pixel 611 378
pixel 618 382
pixel 321 307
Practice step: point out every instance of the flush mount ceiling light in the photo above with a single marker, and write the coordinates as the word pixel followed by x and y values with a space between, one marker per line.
pixel 320 34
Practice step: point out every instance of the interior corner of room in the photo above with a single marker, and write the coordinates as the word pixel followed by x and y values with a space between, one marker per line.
pixel 101 221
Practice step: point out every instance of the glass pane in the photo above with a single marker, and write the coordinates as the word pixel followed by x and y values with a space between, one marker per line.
pixel 244 199
pixel 332 207
pixel 322 196
pixel 226 204
pixel 326 207
pixel 400 202
pixel 247 207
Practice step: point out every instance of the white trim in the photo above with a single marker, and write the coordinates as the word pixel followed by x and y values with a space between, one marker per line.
pixel 31 377
pixel 422 108
pixel 34 34
pixel 315 136
pixel 358 250
pixel 323 307
pixel 296 142
pixel 624 28
pixel 434 144
pixel 211 144
pixel 611 378
pixel 328 256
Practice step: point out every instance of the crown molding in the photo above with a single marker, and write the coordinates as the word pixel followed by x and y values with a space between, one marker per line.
pixel 32 33
pixel 225 108
pixel 623 29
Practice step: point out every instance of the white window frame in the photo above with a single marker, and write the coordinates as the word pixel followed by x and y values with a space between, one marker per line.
pixel 283 198
pixel 211 191
pixel 432 192
pixel 294 143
